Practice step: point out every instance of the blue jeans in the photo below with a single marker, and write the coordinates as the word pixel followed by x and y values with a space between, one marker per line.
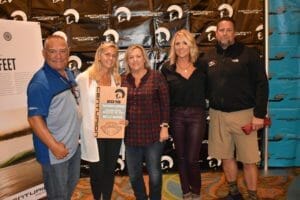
pixel 61 179
pixel 151 154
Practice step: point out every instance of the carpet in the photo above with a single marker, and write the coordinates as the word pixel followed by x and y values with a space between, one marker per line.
pixel 213 187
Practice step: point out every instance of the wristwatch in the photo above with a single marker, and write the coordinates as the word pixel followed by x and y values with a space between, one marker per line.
pixel 166 125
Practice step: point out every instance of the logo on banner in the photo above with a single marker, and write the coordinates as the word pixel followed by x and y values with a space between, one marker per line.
pixel 72 16
pixel 5 1
pixel 162 34
pixel 75 64
pixel 175 12
pixel 120 165
pixel 166 162
pixel 19 15
pixel 211 33
pixel 259 30
pixel 111 35
pixel 61 34
pixel 226 10
pixel 123 14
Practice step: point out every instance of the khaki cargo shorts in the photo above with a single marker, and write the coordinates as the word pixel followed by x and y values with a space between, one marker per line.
pixel 227 140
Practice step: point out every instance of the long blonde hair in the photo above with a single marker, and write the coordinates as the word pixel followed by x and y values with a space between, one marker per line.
pixel 94 69
pixel 190 39
pixel 130 49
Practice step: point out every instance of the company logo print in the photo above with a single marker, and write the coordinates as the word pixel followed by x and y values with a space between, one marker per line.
pixel 123 14
pixel 120 165
pixel 211 33
pixel 5 1
pixel 7 36
pixel 213 162
pixel 74 63
pixel 72 16
pixel 19 14
pixel 166 162
pixel 226 10
pixel 162 34
pixel 212 63
pixel 111 35
pixel 61 34
pixel 259 30
pixel 120 93
pixel 175 12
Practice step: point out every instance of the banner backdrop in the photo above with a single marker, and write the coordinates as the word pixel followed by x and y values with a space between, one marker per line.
pixel 151 23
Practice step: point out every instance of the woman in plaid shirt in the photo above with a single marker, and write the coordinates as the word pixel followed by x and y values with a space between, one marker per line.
pixel 148 116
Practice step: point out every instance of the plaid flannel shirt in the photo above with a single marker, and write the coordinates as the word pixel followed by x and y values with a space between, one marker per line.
pixel 147 108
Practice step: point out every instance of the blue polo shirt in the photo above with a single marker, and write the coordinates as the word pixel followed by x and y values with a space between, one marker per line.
pixel 49 95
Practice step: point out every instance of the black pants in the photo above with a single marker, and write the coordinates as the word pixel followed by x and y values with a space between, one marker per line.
pixel 188 129
pixel 102 173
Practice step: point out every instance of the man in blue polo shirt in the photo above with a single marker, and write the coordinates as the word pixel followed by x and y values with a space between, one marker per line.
pixel 54 118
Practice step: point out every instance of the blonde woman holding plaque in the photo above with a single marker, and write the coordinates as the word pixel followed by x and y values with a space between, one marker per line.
pixel 102 154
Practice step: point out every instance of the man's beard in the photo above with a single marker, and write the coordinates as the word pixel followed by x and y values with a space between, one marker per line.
pixel 226 44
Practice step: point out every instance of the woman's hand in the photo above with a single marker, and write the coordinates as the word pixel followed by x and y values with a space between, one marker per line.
pixel 124 122
pixel 164 134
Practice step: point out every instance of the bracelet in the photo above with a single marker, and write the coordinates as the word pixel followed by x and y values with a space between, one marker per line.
pixel 166 125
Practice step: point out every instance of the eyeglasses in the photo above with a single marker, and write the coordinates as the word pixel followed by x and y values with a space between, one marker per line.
pixel 57 51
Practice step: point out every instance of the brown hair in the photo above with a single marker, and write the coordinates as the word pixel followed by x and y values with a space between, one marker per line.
pixel 229 19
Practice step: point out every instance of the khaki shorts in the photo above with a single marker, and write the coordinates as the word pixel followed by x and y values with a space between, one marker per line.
pixel 226 136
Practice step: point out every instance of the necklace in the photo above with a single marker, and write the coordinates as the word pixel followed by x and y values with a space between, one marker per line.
pixel 185 69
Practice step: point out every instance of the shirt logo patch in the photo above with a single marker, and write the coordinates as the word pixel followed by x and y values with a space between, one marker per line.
pixel 235 60
pixel 32 108
pixel 212 63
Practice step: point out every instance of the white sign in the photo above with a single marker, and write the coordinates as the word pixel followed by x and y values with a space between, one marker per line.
pixel 20 57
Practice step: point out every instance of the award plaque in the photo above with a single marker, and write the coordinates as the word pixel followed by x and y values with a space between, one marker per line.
pixel 110 112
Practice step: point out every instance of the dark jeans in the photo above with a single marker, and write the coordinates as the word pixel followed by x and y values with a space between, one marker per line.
pixel 134 159
pixel 188 129
pixel 61 179
pixel 102 173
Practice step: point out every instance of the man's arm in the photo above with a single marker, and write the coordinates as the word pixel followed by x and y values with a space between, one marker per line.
pixel 41 130
pixel 261 91
pixel 261 85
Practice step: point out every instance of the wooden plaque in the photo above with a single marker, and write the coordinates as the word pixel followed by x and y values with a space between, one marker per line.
pixel 110 112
